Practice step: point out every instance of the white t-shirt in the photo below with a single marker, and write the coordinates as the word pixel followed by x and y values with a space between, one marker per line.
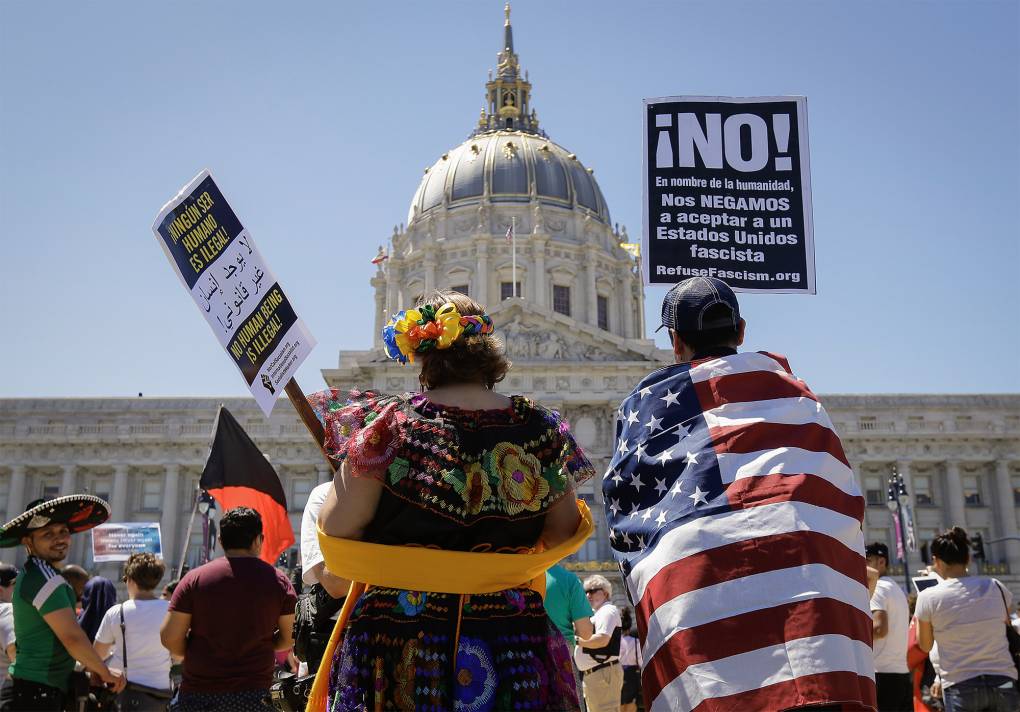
pixel 969 621
pixel 630 651
pixel 605 620
pixel 891 651
pixel 6 637
pixel 148 660
pixel 311 554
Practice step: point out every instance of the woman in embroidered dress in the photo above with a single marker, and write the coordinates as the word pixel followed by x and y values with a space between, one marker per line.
pixel 456 467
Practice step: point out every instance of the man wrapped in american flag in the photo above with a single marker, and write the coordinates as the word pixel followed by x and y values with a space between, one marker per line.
pixel 736 520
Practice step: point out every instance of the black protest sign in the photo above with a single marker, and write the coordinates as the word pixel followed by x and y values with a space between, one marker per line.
pixel 727 193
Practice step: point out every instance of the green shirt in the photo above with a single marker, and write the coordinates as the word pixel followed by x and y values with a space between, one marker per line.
pixel 565 601
pixel 41 657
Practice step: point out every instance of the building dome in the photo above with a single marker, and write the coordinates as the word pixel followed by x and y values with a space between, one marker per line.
pixel 508 159
pixel 509 167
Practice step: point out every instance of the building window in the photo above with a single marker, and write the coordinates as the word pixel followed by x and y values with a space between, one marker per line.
pixel 302 488
pixel 561 299
pixel 972 490
pixel 101 489
pixel 874 492
pixel 506 290
pixel 922 490
pixel 462 288
pixel 1016 491
pixel 152 495
pixel 880 534
pixel 603 311
pixel 867 422
pixel 50 491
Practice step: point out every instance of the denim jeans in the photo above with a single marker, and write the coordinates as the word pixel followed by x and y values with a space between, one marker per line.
pixel 984 693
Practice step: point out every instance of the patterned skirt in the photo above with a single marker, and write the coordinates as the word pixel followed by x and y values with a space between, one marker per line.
pixel 398 654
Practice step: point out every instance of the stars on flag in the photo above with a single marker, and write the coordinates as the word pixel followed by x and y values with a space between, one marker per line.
pixel 646 391
pixel 647 515
pixel 665 456
pixel 614 506
pixel 653 425
pixel 677 489
pixel 623 447
pixel 616 477
pixel 692 458
pixel 670 398
pixel 661 519
pixel 635 481
pixel 660 486
pixel 640 450
pixel 632 417
pixel 699 497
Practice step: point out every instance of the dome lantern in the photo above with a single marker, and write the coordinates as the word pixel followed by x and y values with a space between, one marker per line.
pixel 508 96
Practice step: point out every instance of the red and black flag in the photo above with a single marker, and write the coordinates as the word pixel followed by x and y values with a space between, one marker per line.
pixel 237 474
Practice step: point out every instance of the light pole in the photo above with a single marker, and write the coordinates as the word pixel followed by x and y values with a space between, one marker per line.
pixel 896 501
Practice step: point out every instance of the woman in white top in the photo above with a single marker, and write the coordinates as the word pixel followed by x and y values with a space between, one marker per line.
pixel 148 662
pixel 967 617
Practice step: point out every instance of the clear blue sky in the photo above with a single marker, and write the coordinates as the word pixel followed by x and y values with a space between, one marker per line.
pixel 318 118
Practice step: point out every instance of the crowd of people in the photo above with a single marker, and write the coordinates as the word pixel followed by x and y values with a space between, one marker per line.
pixel 430 575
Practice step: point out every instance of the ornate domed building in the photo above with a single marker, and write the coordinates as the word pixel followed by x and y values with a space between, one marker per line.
pixel 564 294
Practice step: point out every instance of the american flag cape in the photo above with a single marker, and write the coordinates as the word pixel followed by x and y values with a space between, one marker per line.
pixel 736 520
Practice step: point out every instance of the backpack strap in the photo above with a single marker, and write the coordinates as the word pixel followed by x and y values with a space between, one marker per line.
pixel 123 639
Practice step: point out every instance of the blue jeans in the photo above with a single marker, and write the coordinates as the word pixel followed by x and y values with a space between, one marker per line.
pixel 984 693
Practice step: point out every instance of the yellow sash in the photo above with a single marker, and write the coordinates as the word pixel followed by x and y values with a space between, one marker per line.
pixel 435 570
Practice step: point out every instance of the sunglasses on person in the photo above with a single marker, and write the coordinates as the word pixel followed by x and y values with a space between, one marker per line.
pixel 589 591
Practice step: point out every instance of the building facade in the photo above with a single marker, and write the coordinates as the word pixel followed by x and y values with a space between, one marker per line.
pixel 568 300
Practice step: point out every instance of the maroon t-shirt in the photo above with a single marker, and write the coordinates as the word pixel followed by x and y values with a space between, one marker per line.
pixel 235 605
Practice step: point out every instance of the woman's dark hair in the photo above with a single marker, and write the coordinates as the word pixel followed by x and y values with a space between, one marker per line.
pixel 145 570
pixel 239 527
pixel 952 546
pixel 479 358
pixel 626 621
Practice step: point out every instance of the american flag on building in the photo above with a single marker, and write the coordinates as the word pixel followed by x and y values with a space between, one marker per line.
pixel 736 520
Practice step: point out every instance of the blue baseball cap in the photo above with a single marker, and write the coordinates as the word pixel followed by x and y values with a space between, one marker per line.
pixel 687 302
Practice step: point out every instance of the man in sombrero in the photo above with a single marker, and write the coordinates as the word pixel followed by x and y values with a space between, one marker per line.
pixel 49 638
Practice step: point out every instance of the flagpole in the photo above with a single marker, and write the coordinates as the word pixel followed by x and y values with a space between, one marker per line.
pixel 513 253
pixel 187 534
pixel 307 415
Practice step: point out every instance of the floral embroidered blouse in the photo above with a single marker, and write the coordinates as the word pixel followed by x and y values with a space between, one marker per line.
pixel 454 478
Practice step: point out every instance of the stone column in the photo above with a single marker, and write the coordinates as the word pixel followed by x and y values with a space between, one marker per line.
pixel 1007 514
pixel 381 315
pixel 429 263
pixel 540 283
pixel 171 512
pixel 626 305
pixel 481 288
pixel 119 495
pixel 954 495
pixel 392 288
pixel 16 494
pixel 324 472
pixel 589 287
pixel 69 485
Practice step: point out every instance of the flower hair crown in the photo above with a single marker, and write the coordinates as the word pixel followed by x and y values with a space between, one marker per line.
pixel 416 331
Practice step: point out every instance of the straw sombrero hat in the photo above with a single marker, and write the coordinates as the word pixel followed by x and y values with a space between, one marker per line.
pixel 80 512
